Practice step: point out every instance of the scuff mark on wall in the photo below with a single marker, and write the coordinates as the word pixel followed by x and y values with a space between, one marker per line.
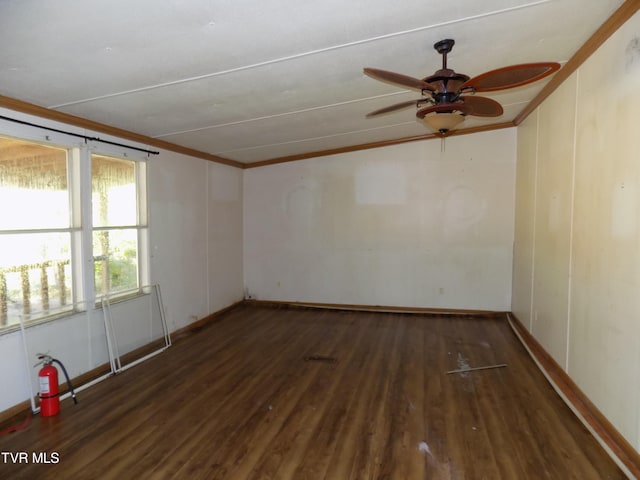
pixel 632 54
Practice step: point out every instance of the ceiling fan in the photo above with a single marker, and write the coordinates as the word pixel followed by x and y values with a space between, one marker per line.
pixel 448 97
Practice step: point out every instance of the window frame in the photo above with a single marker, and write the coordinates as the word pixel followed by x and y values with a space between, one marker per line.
pixel 80 228
pixel 141 226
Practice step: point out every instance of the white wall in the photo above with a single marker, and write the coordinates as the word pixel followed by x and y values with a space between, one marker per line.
pixel 577 250
pixel 407 225
pixel 196 235
pixel 195 217
pixel 224 236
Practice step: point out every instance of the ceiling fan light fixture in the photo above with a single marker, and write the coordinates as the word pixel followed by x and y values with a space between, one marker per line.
pixel 443 122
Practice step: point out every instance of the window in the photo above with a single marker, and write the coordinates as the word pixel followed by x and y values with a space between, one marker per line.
pixel 117 224
pixel 41 231
pixel 35 230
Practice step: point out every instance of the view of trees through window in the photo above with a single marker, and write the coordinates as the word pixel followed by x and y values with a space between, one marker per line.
pixel 115 236
pixel 38 240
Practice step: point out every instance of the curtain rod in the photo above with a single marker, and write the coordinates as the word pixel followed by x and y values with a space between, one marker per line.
pixel 85 137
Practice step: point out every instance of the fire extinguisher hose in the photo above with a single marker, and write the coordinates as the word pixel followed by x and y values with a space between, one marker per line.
pixel 66 375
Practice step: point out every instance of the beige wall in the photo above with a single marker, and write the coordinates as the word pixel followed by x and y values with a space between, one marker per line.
pixel 576 281
pixel 408 225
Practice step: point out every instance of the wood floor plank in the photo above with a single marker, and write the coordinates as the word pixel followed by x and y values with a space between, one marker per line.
pixel 311 394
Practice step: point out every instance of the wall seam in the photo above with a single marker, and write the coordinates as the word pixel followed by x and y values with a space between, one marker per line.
pixel 535 220
pixel 571 220
pixel 208 234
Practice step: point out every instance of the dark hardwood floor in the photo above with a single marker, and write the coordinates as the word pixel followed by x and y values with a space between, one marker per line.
pixel 238 400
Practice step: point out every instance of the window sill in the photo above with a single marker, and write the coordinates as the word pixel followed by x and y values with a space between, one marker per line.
pixel 39 321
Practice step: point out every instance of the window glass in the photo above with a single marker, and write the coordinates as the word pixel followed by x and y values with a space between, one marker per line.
pixel 33 186
pixel 115 254
pixel 115 225
pixel 35 234
pixel 37 277
pixel 114 192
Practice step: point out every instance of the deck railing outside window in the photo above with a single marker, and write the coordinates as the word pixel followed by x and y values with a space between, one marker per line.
pixel 38 286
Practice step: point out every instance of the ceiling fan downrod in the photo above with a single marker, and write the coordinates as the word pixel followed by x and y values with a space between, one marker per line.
pixel 443 47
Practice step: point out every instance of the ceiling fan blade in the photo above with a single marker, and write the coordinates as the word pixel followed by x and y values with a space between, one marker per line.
pixel 482 106
pixel 446 108
pixel 397 106
pixel 398 79
pixel 511 76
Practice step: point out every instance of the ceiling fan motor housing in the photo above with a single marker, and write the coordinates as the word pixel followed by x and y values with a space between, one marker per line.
pixel 446 85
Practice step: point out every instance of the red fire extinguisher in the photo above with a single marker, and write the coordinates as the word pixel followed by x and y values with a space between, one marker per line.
pixel 49 392
pixel 49 388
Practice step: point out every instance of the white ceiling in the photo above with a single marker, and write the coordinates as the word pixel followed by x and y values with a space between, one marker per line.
pixel 252 80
